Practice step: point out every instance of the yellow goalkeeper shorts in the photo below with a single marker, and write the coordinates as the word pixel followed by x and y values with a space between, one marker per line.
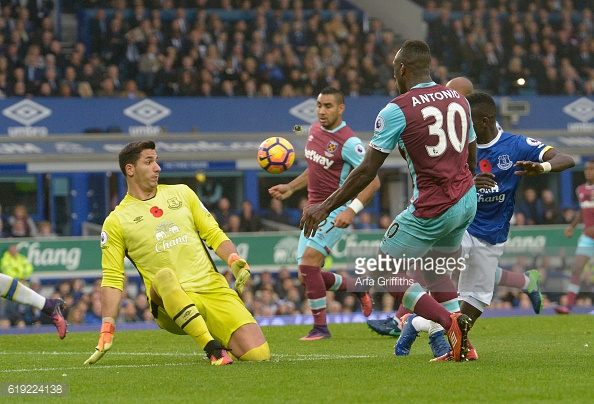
pixel 222 310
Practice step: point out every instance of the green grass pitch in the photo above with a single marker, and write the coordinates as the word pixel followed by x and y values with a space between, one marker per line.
pixel 521 359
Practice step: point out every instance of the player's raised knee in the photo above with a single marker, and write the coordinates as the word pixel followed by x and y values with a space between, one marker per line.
pixel 165 280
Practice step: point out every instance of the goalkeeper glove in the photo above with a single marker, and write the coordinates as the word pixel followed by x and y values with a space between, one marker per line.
pixel 105 342
pixel 241 271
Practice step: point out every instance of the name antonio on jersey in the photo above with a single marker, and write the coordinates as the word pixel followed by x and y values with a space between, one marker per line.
pixel 431 97
pixel 317 158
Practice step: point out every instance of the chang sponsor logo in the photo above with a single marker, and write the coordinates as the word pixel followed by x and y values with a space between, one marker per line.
pixel 69 258
pixel 168 237
pixel 27 113
pixel 487 195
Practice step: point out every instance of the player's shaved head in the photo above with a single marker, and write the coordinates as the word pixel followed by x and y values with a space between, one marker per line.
pixel 131 153
pixel 417 55
pixel 338 95
pixel 482 105
pixel 462 85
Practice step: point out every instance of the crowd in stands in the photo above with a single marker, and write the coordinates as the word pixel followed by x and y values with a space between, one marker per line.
pixel 145 55
pixel 516 47
pixel 20 224
pixel 290 48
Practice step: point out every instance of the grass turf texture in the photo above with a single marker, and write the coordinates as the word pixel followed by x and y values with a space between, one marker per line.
pixel 521 359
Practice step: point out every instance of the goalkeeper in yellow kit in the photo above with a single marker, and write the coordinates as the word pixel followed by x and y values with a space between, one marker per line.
pixel 164 230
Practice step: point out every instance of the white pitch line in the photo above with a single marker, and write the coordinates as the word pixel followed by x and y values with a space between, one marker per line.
pixel 276 358
pixel 110 353
pixel 89 367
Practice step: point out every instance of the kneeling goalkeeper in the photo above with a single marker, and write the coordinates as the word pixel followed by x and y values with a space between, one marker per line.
pixel 164 231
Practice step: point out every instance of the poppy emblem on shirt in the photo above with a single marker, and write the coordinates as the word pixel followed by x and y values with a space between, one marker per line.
pixel 485 166
pixel 156 212
pixel 332 146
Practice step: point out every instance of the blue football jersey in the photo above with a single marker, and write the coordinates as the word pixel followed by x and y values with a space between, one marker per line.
pixel 495 206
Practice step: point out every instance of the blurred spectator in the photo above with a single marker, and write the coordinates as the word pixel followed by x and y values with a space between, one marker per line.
pixel 223 212
pixel 128 312
pixel 385 221
pixel 250 220
pixel 234 223
pixel 75 316
pixel 45 229
pixel 20 213
pixel 94 316
pixel 531 208
pixel 552 212
pixel 276 214
pixel 15 264
pixel 84 90
pixel 365 222
pixel 131 90
pixel 568 215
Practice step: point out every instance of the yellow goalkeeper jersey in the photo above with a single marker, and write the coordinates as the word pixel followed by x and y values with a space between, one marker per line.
pixel 165 231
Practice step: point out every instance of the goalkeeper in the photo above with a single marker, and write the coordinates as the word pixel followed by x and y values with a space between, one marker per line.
pixel 164 230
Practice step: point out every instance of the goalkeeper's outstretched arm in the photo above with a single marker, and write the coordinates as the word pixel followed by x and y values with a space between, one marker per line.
pixel 110 304
pixel 240 268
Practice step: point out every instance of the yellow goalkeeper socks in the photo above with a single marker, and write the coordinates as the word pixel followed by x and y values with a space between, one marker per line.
pixel 261 353
pixel 180 307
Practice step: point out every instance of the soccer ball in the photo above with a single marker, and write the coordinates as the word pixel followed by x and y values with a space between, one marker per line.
pixel 276 154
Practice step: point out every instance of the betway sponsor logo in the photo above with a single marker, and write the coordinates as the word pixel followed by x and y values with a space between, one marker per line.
pixel 587 204
pixel 316 158
pixel 68 257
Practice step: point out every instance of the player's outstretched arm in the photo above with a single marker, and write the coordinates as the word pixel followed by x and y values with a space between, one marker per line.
pixel 239 266
pixel 357 180
pixel 346 217
pixel 110 304
pixel 283 191
pixel 554 161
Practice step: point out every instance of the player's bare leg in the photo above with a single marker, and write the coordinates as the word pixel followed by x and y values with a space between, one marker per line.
pixel 248 343
pixel 310 274
pixel 573 289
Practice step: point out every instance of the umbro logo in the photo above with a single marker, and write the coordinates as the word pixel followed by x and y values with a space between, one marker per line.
pixel 138 219
pixel 306 111
pixel 147 112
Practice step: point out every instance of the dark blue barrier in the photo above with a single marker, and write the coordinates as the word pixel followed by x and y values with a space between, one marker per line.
pixel 47 116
